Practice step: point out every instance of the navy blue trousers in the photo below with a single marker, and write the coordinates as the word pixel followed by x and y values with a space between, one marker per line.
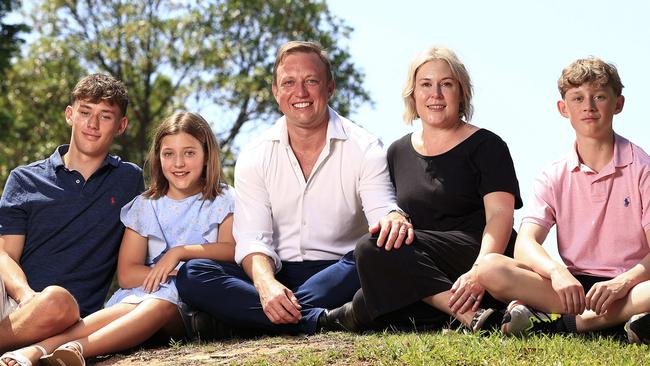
pixel 225 291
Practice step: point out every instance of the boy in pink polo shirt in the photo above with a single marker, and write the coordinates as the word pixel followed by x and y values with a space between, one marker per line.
pixel 598 195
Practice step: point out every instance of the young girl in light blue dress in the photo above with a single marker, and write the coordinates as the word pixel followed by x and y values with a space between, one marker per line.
pixel 186 213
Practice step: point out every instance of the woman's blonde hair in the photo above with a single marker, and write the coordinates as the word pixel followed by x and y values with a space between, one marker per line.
pixel 194 125
pixel 459 72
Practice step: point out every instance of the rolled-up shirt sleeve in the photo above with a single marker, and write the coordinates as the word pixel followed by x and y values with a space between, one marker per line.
pixel 253 223
pixel 541 209
pixel 375 188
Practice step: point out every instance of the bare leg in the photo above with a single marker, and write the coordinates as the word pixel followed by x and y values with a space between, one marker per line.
pixel 507 279
pixel 50 312
pixel 133 328
pixel 116 328
pixel 637 301
pixel 440 301
pixel 82 328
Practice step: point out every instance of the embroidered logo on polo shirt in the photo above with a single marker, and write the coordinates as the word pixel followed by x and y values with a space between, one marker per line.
pixel 113 201
pixel 626 202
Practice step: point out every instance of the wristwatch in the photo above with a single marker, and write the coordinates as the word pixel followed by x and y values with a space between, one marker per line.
pixel 401 212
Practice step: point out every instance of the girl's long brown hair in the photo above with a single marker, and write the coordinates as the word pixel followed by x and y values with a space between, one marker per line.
pixel 194 125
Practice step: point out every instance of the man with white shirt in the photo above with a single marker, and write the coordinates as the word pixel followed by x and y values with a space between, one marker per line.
pixel 306 192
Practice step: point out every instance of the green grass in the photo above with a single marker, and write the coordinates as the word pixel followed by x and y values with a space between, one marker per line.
pixel 448 348
pixel 460 349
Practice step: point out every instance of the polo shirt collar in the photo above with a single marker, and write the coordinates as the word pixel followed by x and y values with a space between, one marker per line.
pixel 57 158
pixel 622 156
pixel 335 130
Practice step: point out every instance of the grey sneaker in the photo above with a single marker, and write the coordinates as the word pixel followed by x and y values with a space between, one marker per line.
pixel 521 320
pixel 638 328
pixel 486 320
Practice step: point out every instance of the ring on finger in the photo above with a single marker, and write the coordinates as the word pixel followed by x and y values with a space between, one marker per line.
pixel 473 298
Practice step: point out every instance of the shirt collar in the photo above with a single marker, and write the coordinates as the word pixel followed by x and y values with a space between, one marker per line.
pixel 57 158
pixel 335 129
pixel 622 155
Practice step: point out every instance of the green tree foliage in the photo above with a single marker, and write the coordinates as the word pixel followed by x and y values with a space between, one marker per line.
pixel 9 40
pixel 215 55
pixel 37 90
pixel 9 47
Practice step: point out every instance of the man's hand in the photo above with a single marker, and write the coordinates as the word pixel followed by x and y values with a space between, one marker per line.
pixel 394 229
pixel 279 303
pixel 466 293
pixel 570 291
pixel 603 294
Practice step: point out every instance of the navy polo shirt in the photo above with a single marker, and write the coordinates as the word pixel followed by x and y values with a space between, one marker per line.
pixel 72 227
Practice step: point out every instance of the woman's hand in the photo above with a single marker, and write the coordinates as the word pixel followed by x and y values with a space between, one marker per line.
pixel 569 290
pixel 161 270
pixel 466 293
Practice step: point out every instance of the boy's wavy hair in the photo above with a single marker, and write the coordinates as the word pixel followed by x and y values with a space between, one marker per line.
pixel 590 70
pixel 194 125
pixel 100 87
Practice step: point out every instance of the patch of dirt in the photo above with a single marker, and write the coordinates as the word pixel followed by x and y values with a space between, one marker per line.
pixel 272 350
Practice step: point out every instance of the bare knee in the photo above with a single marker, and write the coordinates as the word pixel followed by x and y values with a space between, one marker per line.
pixel 57 308
pixel 495 272
pixel 170 310
pixel 162 310
pixel 168 317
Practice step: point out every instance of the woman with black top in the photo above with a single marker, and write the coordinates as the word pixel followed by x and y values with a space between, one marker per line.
pixel 457 183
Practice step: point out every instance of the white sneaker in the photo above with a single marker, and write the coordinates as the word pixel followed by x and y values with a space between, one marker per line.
pixel 7 304
pixel 4 298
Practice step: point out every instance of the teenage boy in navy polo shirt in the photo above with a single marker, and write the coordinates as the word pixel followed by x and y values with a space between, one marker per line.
pixel 60 226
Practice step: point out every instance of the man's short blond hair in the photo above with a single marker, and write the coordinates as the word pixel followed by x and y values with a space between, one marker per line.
pixel 305 47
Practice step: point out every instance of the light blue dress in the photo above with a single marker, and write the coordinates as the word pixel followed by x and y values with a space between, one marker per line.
pixel 168 223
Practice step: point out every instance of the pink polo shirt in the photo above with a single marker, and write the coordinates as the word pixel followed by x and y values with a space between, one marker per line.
pixel 601 217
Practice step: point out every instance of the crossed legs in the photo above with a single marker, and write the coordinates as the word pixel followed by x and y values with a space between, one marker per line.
pixel 507 279
pixel 49 312
pixel 119 327
pixel 316 284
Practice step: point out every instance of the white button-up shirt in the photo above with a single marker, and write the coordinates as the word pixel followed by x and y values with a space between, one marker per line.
pixel 280 214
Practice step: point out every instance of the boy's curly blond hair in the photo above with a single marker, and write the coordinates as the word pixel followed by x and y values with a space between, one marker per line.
pixel 590 70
